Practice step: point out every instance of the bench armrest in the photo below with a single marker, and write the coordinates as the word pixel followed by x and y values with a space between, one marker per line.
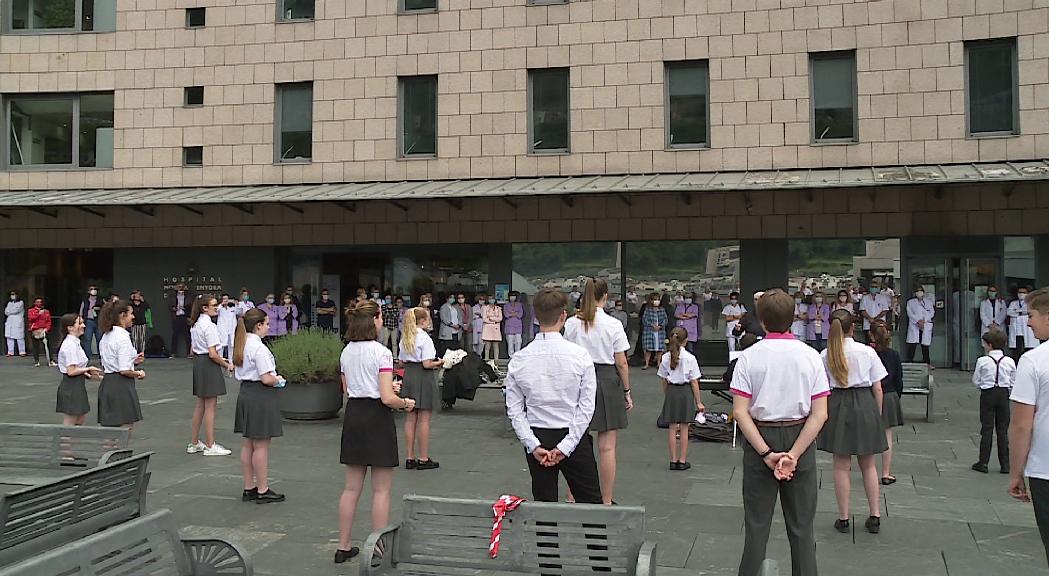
pixel 115 456
pixel 381 562
pixel 646 560
pixel 209 556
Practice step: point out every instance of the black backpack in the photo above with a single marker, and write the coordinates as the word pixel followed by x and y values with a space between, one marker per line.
pixel 155 348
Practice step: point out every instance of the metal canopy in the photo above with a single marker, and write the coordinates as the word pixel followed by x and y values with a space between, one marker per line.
pixel 545 186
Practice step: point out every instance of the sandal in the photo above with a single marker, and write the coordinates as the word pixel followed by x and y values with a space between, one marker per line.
pixel 888 480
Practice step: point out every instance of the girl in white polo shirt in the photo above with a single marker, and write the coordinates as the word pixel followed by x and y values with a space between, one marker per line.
pixel 419 355
pixel 118 403
pixel 208 380
pixel 854 423
pixel 679 370
pixel 72 363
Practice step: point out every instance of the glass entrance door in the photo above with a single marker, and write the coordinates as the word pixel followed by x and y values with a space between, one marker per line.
pixel 978 275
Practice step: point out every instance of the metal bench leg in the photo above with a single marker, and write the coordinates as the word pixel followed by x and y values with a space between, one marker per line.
pixel 928 407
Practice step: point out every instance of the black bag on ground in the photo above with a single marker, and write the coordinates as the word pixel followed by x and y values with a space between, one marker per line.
pixel 710 432
pixel 155 348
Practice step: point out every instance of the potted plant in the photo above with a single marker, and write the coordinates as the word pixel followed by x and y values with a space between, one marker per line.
pixel 309 360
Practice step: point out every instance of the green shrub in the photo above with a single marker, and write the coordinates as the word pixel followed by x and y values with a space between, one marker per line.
pixel 310 356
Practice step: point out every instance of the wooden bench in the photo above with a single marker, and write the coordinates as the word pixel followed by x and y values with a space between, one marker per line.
pixel 450 537
pixel 46 516
pixel 37 453
pixel 146 545
pixel 918 381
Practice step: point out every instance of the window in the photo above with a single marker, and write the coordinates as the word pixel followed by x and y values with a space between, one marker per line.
pixel 418 116
pixel 60 130
pixel 296 10
pixel 193 156
pixel 295 122
pixel 992 87
pixel 195 18
pixel 548 104
pixel 833 89
pixel 414 5
pixel 194 96
pixel 61 16
pixel 687 104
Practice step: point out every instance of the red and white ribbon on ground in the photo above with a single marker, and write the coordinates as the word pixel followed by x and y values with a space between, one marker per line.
pixel 504 504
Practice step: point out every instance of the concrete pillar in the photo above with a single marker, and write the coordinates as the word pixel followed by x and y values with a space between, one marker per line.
pixel 762 265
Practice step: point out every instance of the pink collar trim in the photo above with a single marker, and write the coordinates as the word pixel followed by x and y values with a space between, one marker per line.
pixel 779 336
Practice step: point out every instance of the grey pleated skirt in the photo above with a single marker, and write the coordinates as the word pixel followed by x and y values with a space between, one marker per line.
pixel 118 401
pixel 258 411
pixel 679 404
pixel 854 426
pixel 369 434
pixel 891 410
pixel 208 380
pixel 420 384
pixel 610 411
pixel 72 396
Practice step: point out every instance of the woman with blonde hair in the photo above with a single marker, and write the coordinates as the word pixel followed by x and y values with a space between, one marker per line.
pixel 369 434
pixel 258 410
pixel 854 423
pixel 419 355
pixel 680 373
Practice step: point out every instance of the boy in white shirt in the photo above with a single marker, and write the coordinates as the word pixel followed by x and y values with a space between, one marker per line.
pixel 1029 429
pixel 994 377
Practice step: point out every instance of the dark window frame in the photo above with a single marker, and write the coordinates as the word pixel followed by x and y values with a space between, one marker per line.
pixel 193 11
pixel 1014 56
pixel 80 13
pixel 278 128
pixel 833 55
pixel 402 8
pixel 189 93
pixel 74 164
pixel 567 149
pixel 402 115
pixel 704 65
pixel 186 151
pixel 282 11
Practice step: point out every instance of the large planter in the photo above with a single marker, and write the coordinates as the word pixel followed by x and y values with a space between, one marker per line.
pixel 317 401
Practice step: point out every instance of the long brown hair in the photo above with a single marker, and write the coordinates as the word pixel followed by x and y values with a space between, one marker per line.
pixel 198 307
pixel 594 291
pixel 840 326
pixel 881 335
pixel 360 321
pixel 245 325
pixel 412 319
pixel 66 322
pixel 678 339
pixel 109 315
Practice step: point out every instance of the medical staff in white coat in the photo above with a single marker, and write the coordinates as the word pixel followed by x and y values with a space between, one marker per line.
pixel 229 311
pixel 992 311
pixel 14 325
pixel 1021 336
pixel 920 311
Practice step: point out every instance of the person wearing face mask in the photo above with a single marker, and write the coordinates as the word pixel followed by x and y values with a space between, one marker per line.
pixel 619 313
pixel 14 325
pixel 477 323
pixel 451 326
pixel 689 316
pixel 713 308
pixel 375 296
pixel 732 312
pixel 801 316
pixel 920 312
pixel 874 306
pixel 513 323
pixel 491 333
pixel 143 320
pixel 843 302
pixel 465 312
pixel 326 310
pixel 227 325
pixel 289 314
pixel 992 311
pixel 89 309
pixel 180 304
pixel 817 327
pixel 290 292
pixel 653 331
pixel 1021 336
pixel 391 317
pixel 274 320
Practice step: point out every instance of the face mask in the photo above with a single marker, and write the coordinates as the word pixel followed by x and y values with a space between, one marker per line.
pixel 734 301
pixel 269 300
pixel 14 297
pixel 324 297
pixel 992 294
pixel 425 303
pixel 388 301
pixel 797 300
pixel 688 300
pixel 244 297
pixel 919 294
pixel 375 294
pixel 819 300
pixel 93 292
pixel 1022 295
pixel 451 300
pixel 874 291
pixel 513 298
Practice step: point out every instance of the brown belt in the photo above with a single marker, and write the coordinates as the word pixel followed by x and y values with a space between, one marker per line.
pixel 779 423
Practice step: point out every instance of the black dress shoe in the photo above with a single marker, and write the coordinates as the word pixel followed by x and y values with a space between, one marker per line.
pixel 873 524
pixel 1004 470
pixel 683 465
pixel 427 464
pixel 673 466
pixel 979 467
pixel 268 497
pixel 411 464
pixel 842 525
pixel 249 495
pixel 344 555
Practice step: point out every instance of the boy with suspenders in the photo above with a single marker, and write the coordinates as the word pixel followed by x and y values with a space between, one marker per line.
pixel 994 377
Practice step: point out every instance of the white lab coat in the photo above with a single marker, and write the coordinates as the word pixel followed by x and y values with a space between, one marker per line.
pixel 1018 325
pixel 797 328
pixel 14 325
pixel 992 315
pixel 228 322
pixel 923 309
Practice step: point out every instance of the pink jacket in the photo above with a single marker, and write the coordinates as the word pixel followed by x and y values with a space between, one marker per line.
pixel 493 315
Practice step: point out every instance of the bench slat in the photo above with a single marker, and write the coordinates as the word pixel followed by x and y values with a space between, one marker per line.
pixel 32 447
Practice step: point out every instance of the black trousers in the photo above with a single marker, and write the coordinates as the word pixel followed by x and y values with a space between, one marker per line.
pixel 38 347
pixel 579 469
pixel 994 419
pixel 179 333
pixel 446 345
pixel 912 346
pixel 1020 348
pixel 1039 491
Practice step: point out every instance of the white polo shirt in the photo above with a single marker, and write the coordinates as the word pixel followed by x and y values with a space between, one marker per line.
pixel 258 360
pixel 71 354
pixel 782 376
pixel 687 368
pixel 604 338
pixel 204 334
pixel 994 369
pixel 865 367
pixel 117 351
pixel 424 348
pixel 361 363
pixel 1031 387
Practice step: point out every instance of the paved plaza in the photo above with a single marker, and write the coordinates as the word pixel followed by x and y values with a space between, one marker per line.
pixel 939 519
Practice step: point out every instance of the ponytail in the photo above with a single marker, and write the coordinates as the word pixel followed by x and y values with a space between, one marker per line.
pixel 198 307
pixel 109 315
pixel 595 289
pixel 837 363
pixel 411 326
pixel 678 338
pixel 245 324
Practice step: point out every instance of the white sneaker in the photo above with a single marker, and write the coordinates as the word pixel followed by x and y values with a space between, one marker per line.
pixel 217 449
pixel 194 448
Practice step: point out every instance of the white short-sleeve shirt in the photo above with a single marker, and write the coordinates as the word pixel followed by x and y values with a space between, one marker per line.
pixel 781 376
pixel 686 371
pixel 865 367
pixel 258 360
pixel 994 369
pixel 204 334
pixel 361 363
pixel 117 351
pixel 1031 387
pixel 71 354
pixel 604 338
pixel 424 348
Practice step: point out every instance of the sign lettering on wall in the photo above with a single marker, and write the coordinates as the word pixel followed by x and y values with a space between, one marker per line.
pixel 195 283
